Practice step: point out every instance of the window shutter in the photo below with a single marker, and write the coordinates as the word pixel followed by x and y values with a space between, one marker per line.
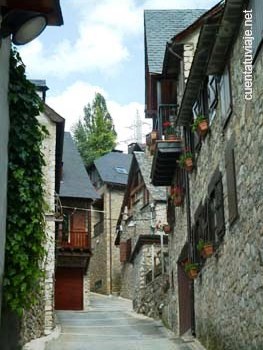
pixel 225 95
pixel 219 208
pixel 212 95
pixel 257 11
pixel 231 184
pixel 123 251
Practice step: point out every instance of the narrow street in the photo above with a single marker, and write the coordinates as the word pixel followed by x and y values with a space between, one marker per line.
pixel 111 324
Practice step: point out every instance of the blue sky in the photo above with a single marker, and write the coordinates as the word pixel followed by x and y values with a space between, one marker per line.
pixel 100 48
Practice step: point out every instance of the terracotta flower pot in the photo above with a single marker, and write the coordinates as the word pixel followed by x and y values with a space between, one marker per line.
pixel 178 200
pixel 154 135
pixel 208 250
pixel 203 127
pixel 188 164
pixel 192 274
pixel 172 137
pixel 167 228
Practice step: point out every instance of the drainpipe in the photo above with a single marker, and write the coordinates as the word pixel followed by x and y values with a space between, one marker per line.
pixel 188 220
pixel 110 241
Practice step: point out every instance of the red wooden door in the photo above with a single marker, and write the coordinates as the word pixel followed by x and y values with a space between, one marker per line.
pixel 69 289
pixel 184 294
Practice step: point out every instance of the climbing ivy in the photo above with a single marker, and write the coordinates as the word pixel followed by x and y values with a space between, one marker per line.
pixel 25 235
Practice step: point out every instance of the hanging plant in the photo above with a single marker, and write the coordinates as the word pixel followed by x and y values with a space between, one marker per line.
pixel 25 213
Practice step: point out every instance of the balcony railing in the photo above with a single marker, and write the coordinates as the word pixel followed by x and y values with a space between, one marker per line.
pixel 74 240
pixel 98 228
pixel 166 113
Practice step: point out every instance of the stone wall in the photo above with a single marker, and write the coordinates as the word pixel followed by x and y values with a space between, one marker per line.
pixel 229 290
pixel 105 262
pixel 4 131
pixel 154 300
pixel 39 319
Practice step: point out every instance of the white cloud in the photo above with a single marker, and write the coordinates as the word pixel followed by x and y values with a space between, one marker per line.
pixel 71 102
pixel 105 29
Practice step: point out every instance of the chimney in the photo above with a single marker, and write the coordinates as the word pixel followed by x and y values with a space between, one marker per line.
pixel 41 88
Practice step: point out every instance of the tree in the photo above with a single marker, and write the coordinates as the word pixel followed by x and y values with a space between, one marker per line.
pixel 95 135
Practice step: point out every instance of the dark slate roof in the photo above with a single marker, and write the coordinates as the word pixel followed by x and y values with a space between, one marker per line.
pixel 107 164
pixel 40 84
pixel 145 165
pixel 160 26
pixel 76 182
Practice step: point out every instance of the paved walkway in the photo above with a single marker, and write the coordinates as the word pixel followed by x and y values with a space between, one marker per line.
pixel 110 324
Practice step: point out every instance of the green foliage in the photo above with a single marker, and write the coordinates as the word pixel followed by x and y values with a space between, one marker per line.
pixel 95 136
pixel 25 213
pixel 185 155
pixel 191 266
pixel 197 121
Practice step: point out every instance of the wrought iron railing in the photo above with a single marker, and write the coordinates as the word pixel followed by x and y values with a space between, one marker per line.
pixel 166 113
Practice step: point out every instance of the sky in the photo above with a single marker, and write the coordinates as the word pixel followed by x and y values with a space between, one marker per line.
pixel 100 48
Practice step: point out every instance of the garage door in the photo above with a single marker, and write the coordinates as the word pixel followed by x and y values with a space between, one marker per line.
pixel 69 289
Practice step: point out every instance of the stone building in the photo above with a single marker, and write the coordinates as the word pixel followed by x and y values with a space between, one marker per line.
pixel 142 242
pixel 109 175
pixel 39 319
pixel 223 192
pixel 73 239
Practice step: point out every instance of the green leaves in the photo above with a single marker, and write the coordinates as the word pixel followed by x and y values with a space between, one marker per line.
pixel 25 214
pixel 96 135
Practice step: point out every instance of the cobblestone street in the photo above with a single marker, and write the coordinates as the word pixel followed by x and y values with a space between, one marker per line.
pixel 111 324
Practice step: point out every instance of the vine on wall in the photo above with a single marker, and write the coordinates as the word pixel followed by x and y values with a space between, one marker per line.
pixel 25 213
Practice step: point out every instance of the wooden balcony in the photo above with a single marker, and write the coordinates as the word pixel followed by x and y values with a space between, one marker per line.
pixel 164 163
pixel 75 240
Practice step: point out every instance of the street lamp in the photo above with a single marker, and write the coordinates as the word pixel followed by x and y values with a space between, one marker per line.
pixel 24 26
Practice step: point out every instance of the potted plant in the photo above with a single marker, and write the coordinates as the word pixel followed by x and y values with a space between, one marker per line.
pixel 200 125
pixel 205 249
pixel 191 269
pixel 166 228
pixel 177 195
pixel 170 132
pixel 186 160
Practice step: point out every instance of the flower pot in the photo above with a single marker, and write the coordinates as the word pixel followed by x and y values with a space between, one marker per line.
pixel 192 274
pixel 172 137
pixel 202 127
pixel 178 200
pixel 166 228
pixel 208 250
pixel 188 164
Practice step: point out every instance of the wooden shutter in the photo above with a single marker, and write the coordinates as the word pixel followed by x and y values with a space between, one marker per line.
pixel 219 207
pixel 225 96
pixel 231 184
pixel 257 13
pixel 123 251
pixel 212 95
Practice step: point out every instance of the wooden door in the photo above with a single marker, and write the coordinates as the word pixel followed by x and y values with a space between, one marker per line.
pixel 69 289
pixel 185 305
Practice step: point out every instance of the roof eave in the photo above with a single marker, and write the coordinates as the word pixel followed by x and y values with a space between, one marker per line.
pixel 230 23
pixel 197 73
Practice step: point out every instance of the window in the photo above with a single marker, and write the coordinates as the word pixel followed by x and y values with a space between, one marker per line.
pixel 257 14
pixel 200 107
pixel 215 209
pixel 121 170
pixel 212 95
pixel 225 96
pixel 209 223
pixel 146 198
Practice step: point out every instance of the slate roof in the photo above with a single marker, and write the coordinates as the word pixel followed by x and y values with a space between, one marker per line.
pixel 145 165
pixel 160 26
pixel 107 164
pixel 75 182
